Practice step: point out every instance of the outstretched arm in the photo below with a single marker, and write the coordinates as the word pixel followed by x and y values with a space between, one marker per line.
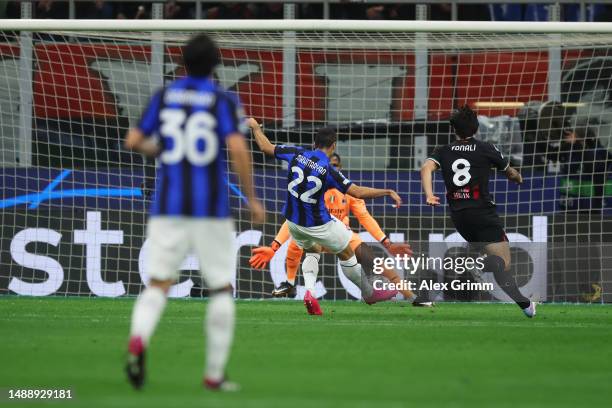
pixel 369 192
pixel 260 138
pixel 514 175
pixel 359 210
pixel 241 164
pixel 427 181
pixel 137 141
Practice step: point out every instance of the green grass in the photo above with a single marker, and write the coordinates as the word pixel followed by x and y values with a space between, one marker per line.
pixel 456 355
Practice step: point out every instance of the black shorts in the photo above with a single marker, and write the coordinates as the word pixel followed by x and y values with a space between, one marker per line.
pixel 479 225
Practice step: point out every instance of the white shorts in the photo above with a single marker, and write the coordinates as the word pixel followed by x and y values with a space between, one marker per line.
pixel 171 239
pixel 335 236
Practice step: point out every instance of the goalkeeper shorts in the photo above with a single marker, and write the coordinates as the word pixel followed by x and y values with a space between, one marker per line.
pixel 211 240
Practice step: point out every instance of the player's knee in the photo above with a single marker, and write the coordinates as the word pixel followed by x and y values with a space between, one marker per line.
pixel 294 253
pixel 346 254
pixel 365 256
pixel 494 263
pixel 311 263
pixel 164 285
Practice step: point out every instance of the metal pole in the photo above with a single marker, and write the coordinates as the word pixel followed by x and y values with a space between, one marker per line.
pixel 421 67
pixel 326 10
pixel 198 10
pixel 582 11
pixel 554 58
pixel 289 83
pixel 71 10
pixel 157 50
pixel 454 11
pixel 25 90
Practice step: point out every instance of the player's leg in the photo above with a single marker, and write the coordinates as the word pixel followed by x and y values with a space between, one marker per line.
pixel 365 256
pixel 168 246
pixel 310 271
pixel 303 238
pixel 213 242
pixel 483 228
pixel 292 263
pixel 498 262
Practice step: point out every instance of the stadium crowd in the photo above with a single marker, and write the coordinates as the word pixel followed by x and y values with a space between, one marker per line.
pixel 101 9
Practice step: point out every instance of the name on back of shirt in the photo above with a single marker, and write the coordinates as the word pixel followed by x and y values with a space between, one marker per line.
pixel 189 97
pixel 464 148
pixel 310 164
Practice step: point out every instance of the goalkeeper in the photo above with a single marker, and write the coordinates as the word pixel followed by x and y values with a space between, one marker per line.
pixel 339 205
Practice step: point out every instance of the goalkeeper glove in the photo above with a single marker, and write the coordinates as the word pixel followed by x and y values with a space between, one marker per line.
pixel 262 255
pixel 396 248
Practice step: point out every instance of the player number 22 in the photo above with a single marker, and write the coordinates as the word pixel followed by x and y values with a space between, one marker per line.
pixel 462 174
pixel 306 195
pixel 198 126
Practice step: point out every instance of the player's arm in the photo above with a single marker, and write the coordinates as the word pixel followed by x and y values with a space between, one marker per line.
pixel 370 192
pixel 503 164
pixel 427 181
pixel 513 175
pixel 263 254
pixel 139 139
pixel 337 180
pixel 261 139
pixel 359 210
pixel 241 164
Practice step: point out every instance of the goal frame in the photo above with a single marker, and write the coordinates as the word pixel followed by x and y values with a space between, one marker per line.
pixel 153 30
pixel 306 25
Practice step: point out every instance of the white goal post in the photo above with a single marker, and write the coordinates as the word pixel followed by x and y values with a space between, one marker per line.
pixel 73 201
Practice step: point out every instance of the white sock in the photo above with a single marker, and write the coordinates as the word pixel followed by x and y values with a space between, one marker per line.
pixel 146 313
pixel 291 281
pixel 220 316
pixel 310 270
pixel 352 270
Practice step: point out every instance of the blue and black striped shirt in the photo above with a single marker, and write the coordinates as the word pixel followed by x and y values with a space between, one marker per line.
pixel 192 117
pixel 310 176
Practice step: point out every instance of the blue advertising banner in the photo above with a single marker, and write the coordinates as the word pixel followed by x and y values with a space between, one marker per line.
pixel 120 189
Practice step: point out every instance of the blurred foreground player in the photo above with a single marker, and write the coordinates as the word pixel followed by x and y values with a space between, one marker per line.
pixel 466 165
pixel 340 206
pixel 187 125
pixel 310 224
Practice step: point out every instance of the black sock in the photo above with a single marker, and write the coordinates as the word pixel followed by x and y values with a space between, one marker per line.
pixel 495 264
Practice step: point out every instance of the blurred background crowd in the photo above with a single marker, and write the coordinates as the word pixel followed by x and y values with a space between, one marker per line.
pixel 344 10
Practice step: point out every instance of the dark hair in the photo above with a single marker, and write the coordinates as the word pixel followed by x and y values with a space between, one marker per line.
pixel 200 56
pixel 325 137
pixel 337 156
pixel 464 122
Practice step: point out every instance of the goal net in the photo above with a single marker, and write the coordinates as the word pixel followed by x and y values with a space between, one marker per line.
pixel 74 202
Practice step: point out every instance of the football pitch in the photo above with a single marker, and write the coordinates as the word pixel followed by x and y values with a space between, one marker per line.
pixel 386 355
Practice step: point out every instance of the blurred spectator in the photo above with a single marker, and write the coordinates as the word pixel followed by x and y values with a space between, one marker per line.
pixel 51 9
pixel 132 10
pixel 540 12
pixel 176 11
pixel 345 10
pixel 270 10
pixel 402 11
pixel 465 12
pixel 543 134
pixel 586 162
pixel 98 9
pixel 229 10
